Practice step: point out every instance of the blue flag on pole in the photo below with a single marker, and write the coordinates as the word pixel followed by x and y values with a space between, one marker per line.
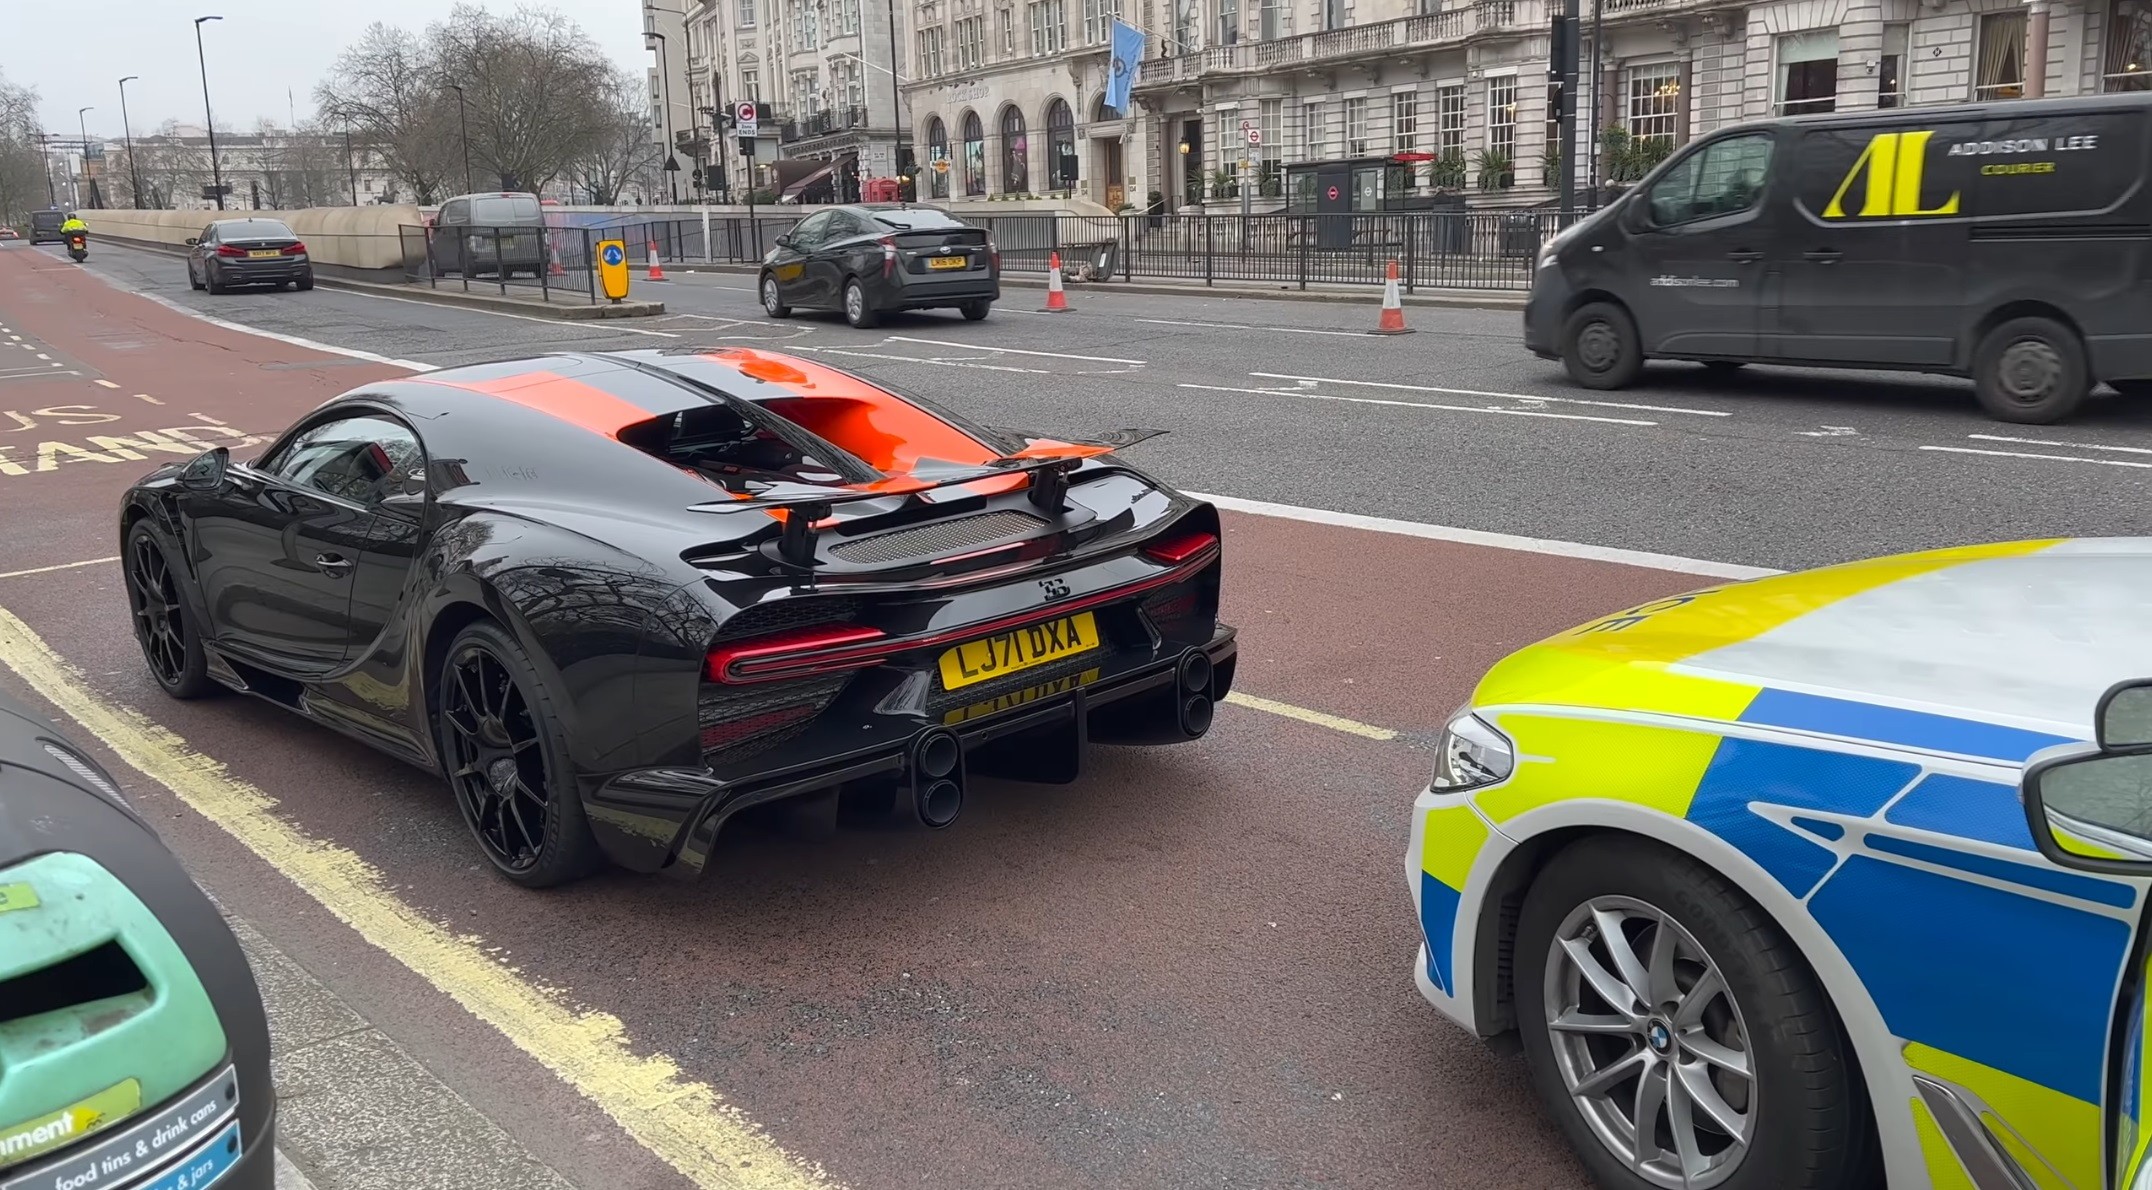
pixel 1127 56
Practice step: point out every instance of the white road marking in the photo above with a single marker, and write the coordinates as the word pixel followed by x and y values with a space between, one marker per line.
pixel 1473 392
pixel 1089 359
pixel 1309 396
pixel 42 355
pixel 1238 326
pixel 1499 541
pixel 913 359
pixel 2135 450
pixel 310 344
pixel 2022 454
pixel 1831 432
pixel 105 383
pixel 146 397
pixel 61 566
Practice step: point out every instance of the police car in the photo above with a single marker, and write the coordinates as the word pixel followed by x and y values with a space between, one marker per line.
pixel 1750 874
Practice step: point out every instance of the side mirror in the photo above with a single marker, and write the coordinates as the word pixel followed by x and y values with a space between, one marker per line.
pixel 206 471
pixel 192 241
pixel 2093 811
pixel 784 241
pixel 2124 719
pixel 1635 213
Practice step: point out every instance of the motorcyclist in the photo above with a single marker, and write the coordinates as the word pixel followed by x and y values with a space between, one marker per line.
pixel 74 226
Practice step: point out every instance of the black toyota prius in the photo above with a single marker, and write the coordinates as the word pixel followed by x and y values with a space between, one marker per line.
pixel 868 259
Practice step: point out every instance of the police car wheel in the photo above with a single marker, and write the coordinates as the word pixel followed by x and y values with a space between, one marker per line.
pixel 2030 371
pixel 771 303
pixel 1676 1035
pixel 1599 347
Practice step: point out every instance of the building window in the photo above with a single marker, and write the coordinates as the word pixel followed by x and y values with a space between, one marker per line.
pixel 1333 14
pixel 806 27
pixel 1274 19
pixel 1808 72
pixel 1060 146
pixel 974 154
pixel 1008 32
pixel 938 164
pixel 1655 102
pixel 1228 22
pixel 1098 18
pixel 846 80
pixel 1502 117
pixel 806 95
pixel 1405 121
pixel 2128 65
pixel 1185 26
pixel 930 52
pixel 1450 121
pixel 1270 121
pixel 847 18
pixel 751 84
pixel 970 43
pixel 1890 79
pixel 1049 26
pixel 1356 128
pixel 1314 136
pixel 747 14
pixel 2000 66
pixel 1015 155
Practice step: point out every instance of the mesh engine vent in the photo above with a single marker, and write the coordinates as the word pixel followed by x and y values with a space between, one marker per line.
pixel 939 537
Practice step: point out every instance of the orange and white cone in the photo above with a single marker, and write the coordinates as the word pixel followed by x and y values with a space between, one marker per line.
pixel 1393 308
pixel 1057 301
pixel 553 260
pixel 657 268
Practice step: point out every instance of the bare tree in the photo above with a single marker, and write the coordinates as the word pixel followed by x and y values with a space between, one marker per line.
pixel 386 90
pixel 536 87
pixel 170 166
pixel 23 181
pixel 306 168
pixel 625 150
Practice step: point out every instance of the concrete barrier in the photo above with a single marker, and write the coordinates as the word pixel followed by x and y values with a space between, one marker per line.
pixel 364 239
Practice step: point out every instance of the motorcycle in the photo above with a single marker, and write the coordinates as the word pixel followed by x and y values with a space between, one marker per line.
pixel 78 246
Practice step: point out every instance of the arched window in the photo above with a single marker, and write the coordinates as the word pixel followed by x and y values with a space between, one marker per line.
pixel 974 155
pixel 1060 146
pixel 938 164
pixel 1103 110
pixel 1015 152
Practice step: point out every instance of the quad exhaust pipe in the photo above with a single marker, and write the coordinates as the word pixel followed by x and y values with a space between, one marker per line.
pixel 1195 693
pixel 937 777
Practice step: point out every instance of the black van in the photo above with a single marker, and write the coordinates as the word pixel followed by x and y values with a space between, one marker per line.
pixel 45 226
pixel 502 234
pixel 2008 242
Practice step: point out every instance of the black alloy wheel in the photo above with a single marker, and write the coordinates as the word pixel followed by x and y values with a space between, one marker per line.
pixel 162 624
pixel 505 765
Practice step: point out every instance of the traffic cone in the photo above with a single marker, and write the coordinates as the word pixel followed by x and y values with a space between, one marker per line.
pixel 1393 309
pixel 1057 302
pixel 657 268
pixel 553 258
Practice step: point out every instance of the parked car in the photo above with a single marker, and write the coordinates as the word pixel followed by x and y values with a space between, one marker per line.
pixel 490 234
pixel 872 258
pixel 1999 241
pixel 235 252
pixel 1760 878
pixel 136 1053
pixel 9 234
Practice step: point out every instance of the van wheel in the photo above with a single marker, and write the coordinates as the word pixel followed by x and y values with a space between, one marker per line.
pixel 2030 371
pixel 1599 347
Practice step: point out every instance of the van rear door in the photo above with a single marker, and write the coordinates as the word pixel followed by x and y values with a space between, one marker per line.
pixel 1698 238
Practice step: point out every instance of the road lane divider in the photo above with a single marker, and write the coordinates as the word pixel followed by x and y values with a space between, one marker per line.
pixel 2134 450
pixel 1473 392
pixel 2026 454
pixel 1306 395
pixel 686 1123
pixel 60 566
pixel 1366 731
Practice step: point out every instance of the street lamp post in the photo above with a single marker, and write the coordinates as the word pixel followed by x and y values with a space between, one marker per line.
pixel 896 110
pixel 134 176
pixel 672 172
pixel 216 170
pixel 84 129
pixel 463 126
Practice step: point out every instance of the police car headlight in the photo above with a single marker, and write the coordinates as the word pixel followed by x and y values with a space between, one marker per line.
pixel 1470 755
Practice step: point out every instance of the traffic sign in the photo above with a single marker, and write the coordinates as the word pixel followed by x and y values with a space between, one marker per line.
pixel 613 268
pixel 1255 136
pixel 743 115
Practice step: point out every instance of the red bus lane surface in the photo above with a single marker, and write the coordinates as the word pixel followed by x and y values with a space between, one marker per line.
pixel 1190 968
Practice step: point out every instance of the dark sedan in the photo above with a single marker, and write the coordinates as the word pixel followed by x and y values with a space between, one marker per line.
pixel 235 252
pixel 869 259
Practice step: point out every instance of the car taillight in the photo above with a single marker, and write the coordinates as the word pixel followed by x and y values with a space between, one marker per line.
pixel 993 253
pixel 794 653
pixel 295 250
pixel 1180 547
pixel 889 256
pixel 230 250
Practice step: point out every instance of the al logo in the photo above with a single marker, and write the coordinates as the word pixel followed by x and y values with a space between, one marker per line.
pixel 1895 164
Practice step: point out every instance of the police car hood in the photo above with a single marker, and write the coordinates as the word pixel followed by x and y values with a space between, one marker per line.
pixel 1990 652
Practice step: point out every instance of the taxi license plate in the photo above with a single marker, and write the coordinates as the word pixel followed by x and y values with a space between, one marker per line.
pixel 1019 649
pixel 259 253
pixel 948 262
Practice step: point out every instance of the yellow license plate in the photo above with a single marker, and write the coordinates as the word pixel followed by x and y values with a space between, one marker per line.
pixel 1018 649
pixel 258 253
pixel 948 262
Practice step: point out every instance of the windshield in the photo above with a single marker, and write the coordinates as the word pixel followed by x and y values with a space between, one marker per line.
pixel 254 229
pixel 46 219
pixel 488 212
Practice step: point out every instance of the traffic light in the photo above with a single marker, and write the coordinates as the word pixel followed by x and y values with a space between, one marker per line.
pixel 697 176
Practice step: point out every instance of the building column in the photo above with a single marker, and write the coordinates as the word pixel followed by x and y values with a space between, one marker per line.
pixel 1685 99
pixel 2036 12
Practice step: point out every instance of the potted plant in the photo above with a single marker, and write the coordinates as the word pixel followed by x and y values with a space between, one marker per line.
pixel 1550 165
pixel 1449 171
pixel 1497 171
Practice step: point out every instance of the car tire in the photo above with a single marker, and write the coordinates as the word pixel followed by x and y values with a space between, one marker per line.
pixel 210 282
pixel 858 311
pixel 192 281
pixel 164 623
pixel 772 304
pixel 506 761
pixel 1802 1104
pixel 305 283
pixel 975 311
pixel 2030 371
pixel 1600 348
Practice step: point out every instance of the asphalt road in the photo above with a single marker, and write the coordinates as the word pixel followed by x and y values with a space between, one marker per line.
pixel 1189 969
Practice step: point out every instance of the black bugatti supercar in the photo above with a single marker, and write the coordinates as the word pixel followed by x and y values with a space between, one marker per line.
pixel 616 599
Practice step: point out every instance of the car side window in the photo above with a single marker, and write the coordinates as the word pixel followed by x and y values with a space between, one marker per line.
pixel 1724 178
pixel 813 230
pixel 360 458
pixel 209 234
pixel 453 212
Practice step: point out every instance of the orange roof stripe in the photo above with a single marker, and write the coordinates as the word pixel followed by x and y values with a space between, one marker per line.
pixel 558 396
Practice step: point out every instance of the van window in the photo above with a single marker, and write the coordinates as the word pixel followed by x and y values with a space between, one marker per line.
pixel 2072 164
pixel 46 219
pixel 1724 178
pixel 496 212
pixel 455 210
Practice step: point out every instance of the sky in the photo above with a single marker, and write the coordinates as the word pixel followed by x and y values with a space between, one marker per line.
pixel 262 51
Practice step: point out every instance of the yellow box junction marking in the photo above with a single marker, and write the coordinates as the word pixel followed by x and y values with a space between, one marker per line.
pixel 685 1123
